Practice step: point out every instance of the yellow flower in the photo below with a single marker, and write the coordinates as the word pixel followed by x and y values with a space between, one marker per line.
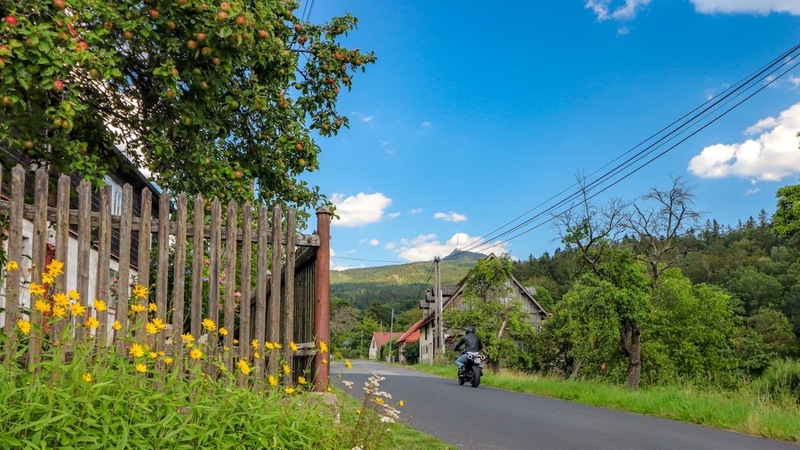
pixel 117 326
pixel 55 268
pixel 401 403
pixel 161 354
pixel 152 307
pixel 36 289
pixel 323 347
pixel 278 346
pixel 100 305
pixel 11 266
pixel 286 369
pixel 289 390
pixel 59 311
pixel 48 279
pixel 301 380
pixel 87 377
pixel 235 342
pixel 150 328
pixel 347 364
pixel 141 368
pixel 92 323
pixel 140 291
pixel 324 361
pixel 358 411
pixel 329 389
pixel 159 324
pixel 24 326
pixel 209 324
pixel 244 367
pixel 256 355
pixel 42 306
pixel 223 332
pixel 77 309
pixel 196 353
pixel 293 346
pixel 137 308
pixel 187 337
pixel 272 381
pixel 60 299
pixel 269 345
pixel 136 350
pixel 379 400
pixel 167 360
pixel 254 344
pixel 153 355
pixel 73 294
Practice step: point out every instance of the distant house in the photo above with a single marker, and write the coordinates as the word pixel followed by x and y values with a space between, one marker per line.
pixel 126 173
pixel 411 335
pixel 452 297
pixel 379 339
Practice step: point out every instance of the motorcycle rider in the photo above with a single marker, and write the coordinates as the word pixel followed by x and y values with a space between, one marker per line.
pixel 471 343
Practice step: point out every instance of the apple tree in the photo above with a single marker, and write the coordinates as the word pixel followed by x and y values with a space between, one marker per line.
pixel 218 98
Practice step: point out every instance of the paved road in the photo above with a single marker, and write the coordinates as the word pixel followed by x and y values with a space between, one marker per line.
pixel 487 418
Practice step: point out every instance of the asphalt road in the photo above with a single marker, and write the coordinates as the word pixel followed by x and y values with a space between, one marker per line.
pixel 487 418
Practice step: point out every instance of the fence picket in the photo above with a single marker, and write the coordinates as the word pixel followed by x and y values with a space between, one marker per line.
pixel 162 266
pixel 288 304
pixel 84 248
pixel 124 275
pixel 275 289
pixel 261 286
pixel 179 275
pixel 198 257
pixel 244 290
pixel 230 282
pixel 143 266
pixel 103 264
pixel 14 254
pixel 62 244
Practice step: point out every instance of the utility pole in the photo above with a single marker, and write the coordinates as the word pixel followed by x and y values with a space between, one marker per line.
pixel 439 323
pixel 391 330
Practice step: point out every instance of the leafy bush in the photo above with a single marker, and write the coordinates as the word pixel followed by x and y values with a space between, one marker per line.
pixel 781 380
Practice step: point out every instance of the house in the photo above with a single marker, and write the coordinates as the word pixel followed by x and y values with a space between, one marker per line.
pixel 411 335
pixel 452 297
pixel 125 173
pixel 379 339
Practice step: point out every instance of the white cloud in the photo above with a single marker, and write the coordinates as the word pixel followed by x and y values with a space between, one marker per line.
pixel 393 215
pixel 450 216
pixel 747 6
pixel 771 155
pixel 425 247
pixel 426 124
pixel 362 209
pixel 605 10
pixel 416 211
pixel 374 242
pixel 366 119
pixel 390 246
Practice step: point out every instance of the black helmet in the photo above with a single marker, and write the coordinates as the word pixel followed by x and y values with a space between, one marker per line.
pixel 470 330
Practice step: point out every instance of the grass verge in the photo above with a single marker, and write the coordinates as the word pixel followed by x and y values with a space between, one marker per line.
pixel 743 411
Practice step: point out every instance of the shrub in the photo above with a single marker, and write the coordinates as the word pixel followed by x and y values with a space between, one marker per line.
pixel 781 380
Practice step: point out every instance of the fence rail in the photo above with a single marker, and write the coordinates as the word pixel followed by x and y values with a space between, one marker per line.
pixel 233 264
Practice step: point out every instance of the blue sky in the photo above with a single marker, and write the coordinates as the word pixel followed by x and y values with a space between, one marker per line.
pixel 475 115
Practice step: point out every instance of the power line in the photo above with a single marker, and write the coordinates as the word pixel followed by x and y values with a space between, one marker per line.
pixel 765 73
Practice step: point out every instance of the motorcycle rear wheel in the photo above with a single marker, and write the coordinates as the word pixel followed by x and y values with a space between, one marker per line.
pixel 476 377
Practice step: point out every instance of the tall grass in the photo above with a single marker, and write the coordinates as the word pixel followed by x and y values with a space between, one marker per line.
pixel 746 411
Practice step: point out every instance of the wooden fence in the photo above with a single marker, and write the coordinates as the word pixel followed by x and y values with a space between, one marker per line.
pixel 280 295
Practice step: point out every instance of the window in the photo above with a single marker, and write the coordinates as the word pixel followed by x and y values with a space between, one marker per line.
pixel 116 196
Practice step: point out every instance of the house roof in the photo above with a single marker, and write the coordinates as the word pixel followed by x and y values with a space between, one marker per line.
pixel 448 301
pixel 381 338
pixel 412 334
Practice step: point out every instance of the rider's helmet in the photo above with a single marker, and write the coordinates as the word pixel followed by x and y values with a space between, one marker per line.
pixel 470 330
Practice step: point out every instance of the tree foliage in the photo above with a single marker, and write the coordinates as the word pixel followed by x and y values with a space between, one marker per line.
pixel 212 98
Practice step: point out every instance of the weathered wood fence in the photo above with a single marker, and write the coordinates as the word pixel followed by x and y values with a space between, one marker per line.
pixel 280 295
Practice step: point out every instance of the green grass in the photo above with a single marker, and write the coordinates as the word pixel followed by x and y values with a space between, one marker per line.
pixel 743 411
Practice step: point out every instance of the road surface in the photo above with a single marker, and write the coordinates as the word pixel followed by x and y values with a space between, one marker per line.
pixel 487 418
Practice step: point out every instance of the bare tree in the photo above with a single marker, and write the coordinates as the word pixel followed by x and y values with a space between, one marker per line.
pixel 658 222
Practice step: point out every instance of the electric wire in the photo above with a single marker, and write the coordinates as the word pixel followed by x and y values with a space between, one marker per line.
pixel 765 73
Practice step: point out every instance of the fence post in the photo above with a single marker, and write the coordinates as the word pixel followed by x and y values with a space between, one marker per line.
pixel 322 297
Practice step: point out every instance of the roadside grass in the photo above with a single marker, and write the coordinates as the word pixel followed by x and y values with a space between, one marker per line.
pixel 742 411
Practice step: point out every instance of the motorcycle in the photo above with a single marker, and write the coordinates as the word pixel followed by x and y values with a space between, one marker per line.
pixel 472 370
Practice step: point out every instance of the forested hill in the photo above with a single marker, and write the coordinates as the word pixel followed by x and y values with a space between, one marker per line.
pixel 399 285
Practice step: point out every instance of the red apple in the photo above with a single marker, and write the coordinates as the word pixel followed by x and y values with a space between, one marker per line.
pixel 222 15
pixel 59 4
pixel 241 20
pixel 5 101
pixel 154 14
pixel 299 147
pixel 263 34
pixel 225 6
pixel 28 144
pixel 82 45
pixel 108 25
pixel 297 27
pixel 128 35
pixel 58 85
pixel 192 44
pixel 216 61
pixel 11 21
pixel 201 37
